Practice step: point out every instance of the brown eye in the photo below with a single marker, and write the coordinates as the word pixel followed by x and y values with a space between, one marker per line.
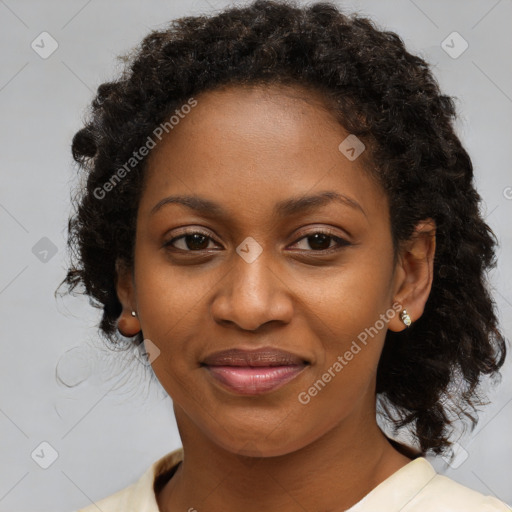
pixel 193 241
pixel 321 241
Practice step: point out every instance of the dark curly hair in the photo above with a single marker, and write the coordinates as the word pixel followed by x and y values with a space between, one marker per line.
pixel 429 374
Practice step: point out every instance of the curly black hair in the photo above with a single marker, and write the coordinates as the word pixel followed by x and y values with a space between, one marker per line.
pixel 381 93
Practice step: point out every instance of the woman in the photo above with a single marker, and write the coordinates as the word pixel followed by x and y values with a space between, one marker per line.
pixel 278 208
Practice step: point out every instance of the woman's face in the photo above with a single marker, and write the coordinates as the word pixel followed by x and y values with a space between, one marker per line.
pixel 292 253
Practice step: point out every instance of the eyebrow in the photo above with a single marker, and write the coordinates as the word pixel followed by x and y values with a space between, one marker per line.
pixel 283 208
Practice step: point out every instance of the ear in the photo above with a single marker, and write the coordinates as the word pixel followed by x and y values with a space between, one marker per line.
pixel 127 324
pixel 414 272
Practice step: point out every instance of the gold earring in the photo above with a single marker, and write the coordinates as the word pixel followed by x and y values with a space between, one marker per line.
pixel 406 319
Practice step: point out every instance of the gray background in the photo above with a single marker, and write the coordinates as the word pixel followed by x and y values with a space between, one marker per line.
pixel 106 419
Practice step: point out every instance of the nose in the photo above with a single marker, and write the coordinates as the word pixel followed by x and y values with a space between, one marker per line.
pixel 252 295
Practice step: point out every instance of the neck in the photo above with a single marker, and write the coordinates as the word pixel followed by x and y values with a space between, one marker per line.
pixel 332 473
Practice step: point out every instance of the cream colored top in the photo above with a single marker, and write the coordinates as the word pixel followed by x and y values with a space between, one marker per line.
pixel 416 487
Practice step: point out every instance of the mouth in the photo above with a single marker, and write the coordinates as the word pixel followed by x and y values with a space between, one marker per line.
pixel 254 372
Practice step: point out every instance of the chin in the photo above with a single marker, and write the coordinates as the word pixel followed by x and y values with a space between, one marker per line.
pixel 271 441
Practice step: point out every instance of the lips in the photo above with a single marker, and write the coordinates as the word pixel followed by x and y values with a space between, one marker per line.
pixel 259 357
pixel 254 372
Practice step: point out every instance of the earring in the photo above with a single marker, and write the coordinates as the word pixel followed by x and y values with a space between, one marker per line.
pixel 406 319
pixel 133 313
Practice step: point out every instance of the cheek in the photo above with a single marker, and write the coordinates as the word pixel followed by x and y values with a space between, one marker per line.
pixel 351 310
pixel 168 302
pixel 167 294
pixel 350 298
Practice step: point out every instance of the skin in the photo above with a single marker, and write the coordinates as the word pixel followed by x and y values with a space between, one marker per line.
pixel 248 148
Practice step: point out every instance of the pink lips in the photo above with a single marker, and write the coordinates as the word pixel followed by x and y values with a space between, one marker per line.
pixel 253 372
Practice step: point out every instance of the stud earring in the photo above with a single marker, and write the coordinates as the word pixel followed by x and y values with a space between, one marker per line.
pixel 406 319
pixel 133 313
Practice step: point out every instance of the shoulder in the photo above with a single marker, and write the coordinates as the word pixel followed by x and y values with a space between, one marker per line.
pixel 113 503
pixel 140 495
pixel 417 487
pixel 443 493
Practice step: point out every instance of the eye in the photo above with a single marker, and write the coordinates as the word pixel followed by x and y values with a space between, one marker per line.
pixel 320 241
pixel 191 241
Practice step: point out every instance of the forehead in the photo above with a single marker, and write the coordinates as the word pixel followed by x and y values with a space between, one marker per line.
pixel 257 143
pixel 278 113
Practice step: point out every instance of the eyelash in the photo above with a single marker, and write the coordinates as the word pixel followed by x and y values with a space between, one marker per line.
pixel 340 241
